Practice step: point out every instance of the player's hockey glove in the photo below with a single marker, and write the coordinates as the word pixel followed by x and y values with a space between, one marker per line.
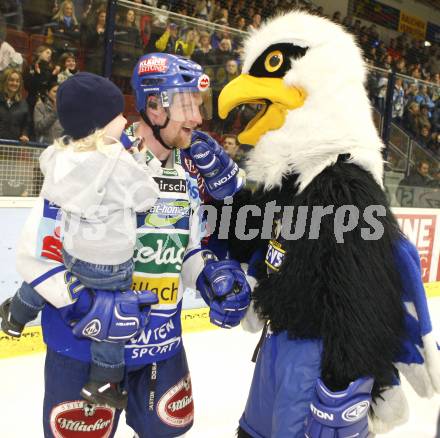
pixel 219 171
pixel 113 316
pixel 340 414
pixel 224 288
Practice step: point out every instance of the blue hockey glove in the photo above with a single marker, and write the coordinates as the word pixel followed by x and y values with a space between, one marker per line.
pixel 340 414
pixel 114 316
pixel 218 170
pixel 224 288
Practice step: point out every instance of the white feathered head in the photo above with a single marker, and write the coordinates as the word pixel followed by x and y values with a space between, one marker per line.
pixel 308 75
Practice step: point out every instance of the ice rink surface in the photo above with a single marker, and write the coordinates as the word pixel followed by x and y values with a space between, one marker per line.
pixel 221 372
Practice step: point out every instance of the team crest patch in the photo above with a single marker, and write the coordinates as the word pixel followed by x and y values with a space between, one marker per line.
pixel 75 419
pixel 176 407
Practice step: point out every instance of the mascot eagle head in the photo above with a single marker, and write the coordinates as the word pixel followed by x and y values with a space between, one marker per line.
pixel 308 75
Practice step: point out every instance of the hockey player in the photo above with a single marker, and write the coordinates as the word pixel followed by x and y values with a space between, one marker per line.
pixel 168 258
pixel 95 182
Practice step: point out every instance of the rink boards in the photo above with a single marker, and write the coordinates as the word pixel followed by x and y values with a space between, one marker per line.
pixel 422 226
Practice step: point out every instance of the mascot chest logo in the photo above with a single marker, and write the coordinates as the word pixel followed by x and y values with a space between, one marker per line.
pixel 275 255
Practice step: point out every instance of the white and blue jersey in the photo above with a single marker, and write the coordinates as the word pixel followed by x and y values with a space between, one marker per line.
pixel 166 255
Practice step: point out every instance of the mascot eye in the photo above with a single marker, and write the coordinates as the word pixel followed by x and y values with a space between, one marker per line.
pixel 274 60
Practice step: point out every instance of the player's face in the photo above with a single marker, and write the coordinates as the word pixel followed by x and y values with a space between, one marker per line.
pixel 184 117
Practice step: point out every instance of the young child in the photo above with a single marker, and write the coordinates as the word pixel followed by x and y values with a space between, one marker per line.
pixel 99 187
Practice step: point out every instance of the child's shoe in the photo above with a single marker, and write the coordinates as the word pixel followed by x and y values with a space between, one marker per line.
pixel 9 325
pixel 105 393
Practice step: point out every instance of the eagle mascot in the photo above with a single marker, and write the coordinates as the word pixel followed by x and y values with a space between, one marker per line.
pixel 339 293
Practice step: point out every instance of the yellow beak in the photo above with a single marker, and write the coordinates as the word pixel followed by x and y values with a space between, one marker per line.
pixel 272 93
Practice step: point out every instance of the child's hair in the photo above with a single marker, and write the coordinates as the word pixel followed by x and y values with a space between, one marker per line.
pixel 92 142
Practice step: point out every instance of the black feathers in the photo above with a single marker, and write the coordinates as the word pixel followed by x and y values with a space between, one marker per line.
pixel 348 294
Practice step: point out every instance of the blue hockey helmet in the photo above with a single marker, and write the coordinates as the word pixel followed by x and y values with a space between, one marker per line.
pixel 166 75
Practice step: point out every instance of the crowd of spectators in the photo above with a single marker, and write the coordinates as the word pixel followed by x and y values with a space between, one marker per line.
pixel 72 37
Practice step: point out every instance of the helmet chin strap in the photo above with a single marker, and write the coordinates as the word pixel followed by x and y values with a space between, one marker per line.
pixel 156 129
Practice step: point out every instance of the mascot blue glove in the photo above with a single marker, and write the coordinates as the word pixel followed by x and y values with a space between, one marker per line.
pixel 224 288
pixel 340 414
pixel 112 316
pixel 219 171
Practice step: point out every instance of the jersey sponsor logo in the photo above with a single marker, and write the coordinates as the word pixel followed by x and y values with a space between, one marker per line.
pixel 165 288
pixel 76 419
pixel 356 412
pixel 171 185
pixel 160 253
pixel 176 408
pixel 155 350
pixel 275 255
pixel 156 335
pixel 169 212
pixel 169 172
pixel 155 64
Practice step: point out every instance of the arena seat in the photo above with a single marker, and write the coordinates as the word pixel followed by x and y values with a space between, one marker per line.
pixel 18 40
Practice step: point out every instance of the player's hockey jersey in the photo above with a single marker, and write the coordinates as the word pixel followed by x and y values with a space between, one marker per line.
pixel 167 261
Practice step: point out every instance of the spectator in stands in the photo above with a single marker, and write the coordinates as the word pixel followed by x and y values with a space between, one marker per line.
pixel 412 118
pixel 255 24
pixel 46 124
pixel 14 111
pixel 201 9
pixel 145 31
pixel 185 46
pixel 347 22
pixel 414 53
pixel 204 55
pixel 434 144
pixel 424 138
pixel 398 101
pixel 40 74
pixel 66 28
pixel 231 146
pixel 94 43
pixel 423 98
pixel 385 62
pixel 228 73
pixel 167 42
pixel 128 37
pixel 400 66
pixel 240 23
pixel 336 18
pixel 218 34
pixel 424 118
pixel 224 52
pixel 435 184
pixel 8 56
pixel 68 68
pixel 435 121
pixel 418 177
